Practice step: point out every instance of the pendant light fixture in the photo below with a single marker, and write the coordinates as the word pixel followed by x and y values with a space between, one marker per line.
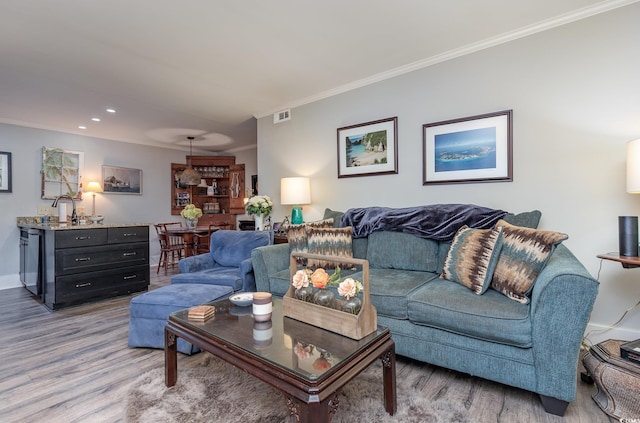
pixel 190 176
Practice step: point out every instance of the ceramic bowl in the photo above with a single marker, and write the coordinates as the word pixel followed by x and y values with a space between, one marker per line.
pixel 95 219
pixel 242 300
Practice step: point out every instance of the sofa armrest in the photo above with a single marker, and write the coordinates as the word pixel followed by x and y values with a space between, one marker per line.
pixel 196 263
pixel 267 261
pixel 561 304
pixel 247 275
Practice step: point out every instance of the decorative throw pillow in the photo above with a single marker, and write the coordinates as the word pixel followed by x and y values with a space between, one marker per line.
pixel 524 254
pixel 329 242
pixel 297 236
pixel 472 257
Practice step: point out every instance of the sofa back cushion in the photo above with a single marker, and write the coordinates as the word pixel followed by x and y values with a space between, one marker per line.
pixel 397 250
pixel 230 248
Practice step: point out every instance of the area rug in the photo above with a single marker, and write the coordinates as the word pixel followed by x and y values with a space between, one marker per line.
pixel 217 392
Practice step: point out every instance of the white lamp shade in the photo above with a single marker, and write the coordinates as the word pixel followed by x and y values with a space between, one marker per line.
pixel 296 190
pixel 93 187
pixel 633 167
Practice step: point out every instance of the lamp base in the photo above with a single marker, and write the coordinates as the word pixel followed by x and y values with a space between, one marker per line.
pixel 296 215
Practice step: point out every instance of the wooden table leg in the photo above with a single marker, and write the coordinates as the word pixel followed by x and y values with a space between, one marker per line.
pixel 389 379
pixel 170 358
pixel 314 412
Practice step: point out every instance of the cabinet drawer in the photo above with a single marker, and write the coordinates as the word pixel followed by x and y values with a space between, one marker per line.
pixel 80 237
pixel 103 283
pixel 128 234
pixel 75 260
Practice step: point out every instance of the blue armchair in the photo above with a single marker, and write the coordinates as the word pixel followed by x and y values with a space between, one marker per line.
pixel 228 262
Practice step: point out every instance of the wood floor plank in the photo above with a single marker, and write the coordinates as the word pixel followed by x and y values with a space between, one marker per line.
pixel 74 366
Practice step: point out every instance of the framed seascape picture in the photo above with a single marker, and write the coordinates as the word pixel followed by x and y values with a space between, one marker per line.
pixel 5 171
pixel 471 149
pixel 121 180
pixel 368 148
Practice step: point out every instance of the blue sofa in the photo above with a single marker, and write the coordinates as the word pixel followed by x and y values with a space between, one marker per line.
pixel 533 346
pixel 228 262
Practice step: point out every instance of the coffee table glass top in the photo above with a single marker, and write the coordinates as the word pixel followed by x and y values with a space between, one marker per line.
pixel 292 345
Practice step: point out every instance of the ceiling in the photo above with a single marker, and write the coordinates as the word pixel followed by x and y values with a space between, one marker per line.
pixel 208 68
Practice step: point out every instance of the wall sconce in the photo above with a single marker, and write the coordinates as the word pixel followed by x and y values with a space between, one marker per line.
pixel 296 191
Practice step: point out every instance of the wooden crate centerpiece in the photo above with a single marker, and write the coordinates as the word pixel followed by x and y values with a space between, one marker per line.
pixel 354 326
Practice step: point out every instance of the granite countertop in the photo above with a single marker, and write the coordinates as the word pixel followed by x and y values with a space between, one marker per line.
pixel 34 223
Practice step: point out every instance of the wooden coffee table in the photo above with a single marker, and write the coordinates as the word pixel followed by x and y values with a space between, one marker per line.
pixel 307 364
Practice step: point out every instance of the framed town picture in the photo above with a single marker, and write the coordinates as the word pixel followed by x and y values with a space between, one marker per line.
pixel 368 148
pixel 121 180
pixel 471 149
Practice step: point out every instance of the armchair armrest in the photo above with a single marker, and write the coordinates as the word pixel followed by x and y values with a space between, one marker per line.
pixel 196 263
pixel 267 261
pixel 247 275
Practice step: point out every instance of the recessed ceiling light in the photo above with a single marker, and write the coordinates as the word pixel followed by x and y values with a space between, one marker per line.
pixel 111 110
pixel 82 127
pixel 95 119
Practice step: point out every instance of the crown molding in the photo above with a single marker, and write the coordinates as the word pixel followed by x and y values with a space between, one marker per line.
pixel 535 28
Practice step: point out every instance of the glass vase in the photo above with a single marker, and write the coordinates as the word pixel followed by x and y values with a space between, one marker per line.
pixel 304 293
pixel 352 305
pixel 323 297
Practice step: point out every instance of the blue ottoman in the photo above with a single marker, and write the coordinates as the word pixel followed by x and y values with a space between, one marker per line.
pixel 148 313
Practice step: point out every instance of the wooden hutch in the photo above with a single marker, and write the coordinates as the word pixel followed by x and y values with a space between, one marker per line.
pixel 220 194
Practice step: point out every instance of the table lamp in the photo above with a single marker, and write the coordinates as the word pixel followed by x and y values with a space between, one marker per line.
pixel 628 225
pixel 296 191
pixel 93 187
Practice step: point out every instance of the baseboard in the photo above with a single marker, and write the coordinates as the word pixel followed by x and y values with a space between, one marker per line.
pixel 599 333
pixel 10 281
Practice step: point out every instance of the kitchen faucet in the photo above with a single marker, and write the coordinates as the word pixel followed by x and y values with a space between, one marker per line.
pixel 74 216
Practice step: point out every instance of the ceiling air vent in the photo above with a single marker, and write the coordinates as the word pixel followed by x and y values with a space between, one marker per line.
pixel 282 116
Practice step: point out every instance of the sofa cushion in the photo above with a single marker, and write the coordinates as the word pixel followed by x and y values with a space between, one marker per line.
pixel 329 242
pixel 397 250
pixel 222 276
pixel 452 307
pixel 389 289
pixel 525 219
pixel 524 253
pixel 335 215
pixel 472 257
pixel 230 248
pixel 297 236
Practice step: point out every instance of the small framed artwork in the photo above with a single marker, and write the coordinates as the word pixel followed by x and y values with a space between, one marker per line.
pixel 121 180
pixel 468 150
pixel 369 148
pixel 5 171
pixel 61 173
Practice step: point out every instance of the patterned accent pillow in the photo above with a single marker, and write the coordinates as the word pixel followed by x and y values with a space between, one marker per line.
pixel 297 236
pixel 329 242
pixel 524 254
pixel 472 257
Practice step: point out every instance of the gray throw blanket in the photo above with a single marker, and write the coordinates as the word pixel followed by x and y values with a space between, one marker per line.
pixel 437 221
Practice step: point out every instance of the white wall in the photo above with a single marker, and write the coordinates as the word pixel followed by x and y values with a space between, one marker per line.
pixel 575 95
pixel 152 206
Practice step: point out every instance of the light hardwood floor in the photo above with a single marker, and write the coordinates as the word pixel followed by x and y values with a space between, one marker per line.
pixel 74 365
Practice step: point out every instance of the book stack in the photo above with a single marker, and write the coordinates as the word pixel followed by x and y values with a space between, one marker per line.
pixel 631 351
pixel 201 312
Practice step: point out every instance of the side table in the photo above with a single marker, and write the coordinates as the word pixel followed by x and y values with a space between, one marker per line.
pixel 627 262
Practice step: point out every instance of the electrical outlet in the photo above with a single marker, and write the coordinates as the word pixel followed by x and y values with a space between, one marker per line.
pixel 43 210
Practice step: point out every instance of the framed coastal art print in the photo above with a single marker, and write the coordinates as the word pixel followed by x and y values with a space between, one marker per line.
pixel 369 148
pixel 5 171
pixel 471 149
pixel 121 180
pixel 61 173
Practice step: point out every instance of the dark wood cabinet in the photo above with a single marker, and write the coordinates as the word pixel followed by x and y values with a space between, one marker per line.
pixel 83 265
pixel 220 194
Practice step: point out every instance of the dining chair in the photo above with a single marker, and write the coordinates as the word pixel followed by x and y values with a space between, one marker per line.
pixel 201 241
pixel 171 247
